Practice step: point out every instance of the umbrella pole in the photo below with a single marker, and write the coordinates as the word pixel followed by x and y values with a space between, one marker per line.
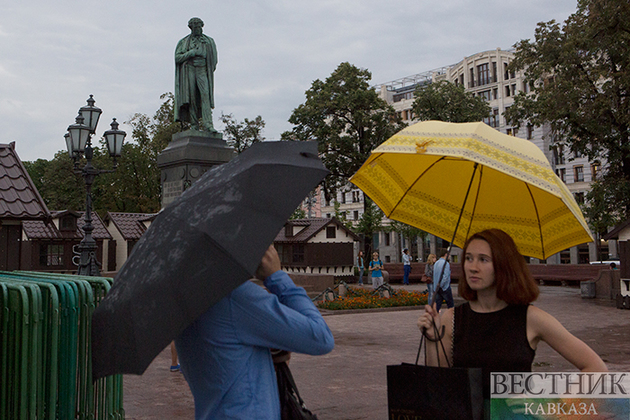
pixel 450 245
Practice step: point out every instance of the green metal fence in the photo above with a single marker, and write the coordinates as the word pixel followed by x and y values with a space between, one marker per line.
pixel 45 349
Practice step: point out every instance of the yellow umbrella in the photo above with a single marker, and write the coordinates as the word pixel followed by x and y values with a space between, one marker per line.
pixel 456 179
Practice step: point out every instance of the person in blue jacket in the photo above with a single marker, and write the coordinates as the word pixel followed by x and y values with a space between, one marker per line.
pixel 225 354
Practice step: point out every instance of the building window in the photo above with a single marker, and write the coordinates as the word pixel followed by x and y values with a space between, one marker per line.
pixel 579 197
pixel 355 196
pixel 483 74
pixel 594 171
pixel 386 237
pixel 343 198
pixel 327 215
pixel 494 118
pixel 495 93
pixel 471 82
pixel 355 215
pixel 331 232
pixel 558 154
pixel 68 222
pixel 578 174
pixel 562 174
pixel 506 74
pixel 50 255
pixel 494 72
pixel 530 131
pixel 507 91
pixel 485 95
pixel 513 89
pixel 298 253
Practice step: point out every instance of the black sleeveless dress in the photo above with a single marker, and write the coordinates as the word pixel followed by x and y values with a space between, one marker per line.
pixel 494 341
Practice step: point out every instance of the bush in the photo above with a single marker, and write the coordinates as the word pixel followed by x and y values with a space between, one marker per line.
pixel 364 299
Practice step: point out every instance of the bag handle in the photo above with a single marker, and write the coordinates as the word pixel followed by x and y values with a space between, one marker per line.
pixel 439 335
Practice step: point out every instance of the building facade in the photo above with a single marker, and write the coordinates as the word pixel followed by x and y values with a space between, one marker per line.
pixel 485 75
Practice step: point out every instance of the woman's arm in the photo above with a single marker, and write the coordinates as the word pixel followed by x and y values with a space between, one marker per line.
pixel 543 326
pixel 434 348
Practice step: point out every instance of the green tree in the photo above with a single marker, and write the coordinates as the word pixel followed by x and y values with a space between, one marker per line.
pixel 241 135
pixel 298 213
pixel 135 186
pixel 579 74
pixel 348 120
pixel 59 185
pixel 370 222
pixel 596 207
pixel 445 101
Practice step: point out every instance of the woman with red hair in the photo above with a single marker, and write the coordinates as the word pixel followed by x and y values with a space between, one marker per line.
pixel 498 329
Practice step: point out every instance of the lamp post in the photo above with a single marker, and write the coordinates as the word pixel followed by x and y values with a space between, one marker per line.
pixel 79 142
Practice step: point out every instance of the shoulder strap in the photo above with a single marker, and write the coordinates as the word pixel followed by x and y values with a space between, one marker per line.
pixel 284 370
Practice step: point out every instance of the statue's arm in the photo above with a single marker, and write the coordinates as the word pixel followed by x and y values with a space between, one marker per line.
pixel 181 54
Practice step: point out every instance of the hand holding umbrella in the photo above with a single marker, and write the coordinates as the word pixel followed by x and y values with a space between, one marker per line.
pixel 269 264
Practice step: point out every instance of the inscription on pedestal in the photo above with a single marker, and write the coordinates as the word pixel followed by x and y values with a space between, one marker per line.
pixel 170 191
pixel 187 157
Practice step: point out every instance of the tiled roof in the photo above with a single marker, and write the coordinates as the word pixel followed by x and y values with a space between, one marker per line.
pixel 312 227
pixel 37 229
pixel 19 199
pixel 130 224
pixel 99 232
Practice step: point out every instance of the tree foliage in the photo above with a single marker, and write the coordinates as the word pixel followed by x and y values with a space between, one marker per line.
pixel 580 78
pixel 348 120
pixel 370 222
pixel 58 184
pixel 241 135
pixel 445 101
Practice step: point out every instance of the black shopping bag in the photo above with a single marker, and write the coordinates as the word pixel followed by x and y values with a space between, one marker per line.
pixel 416 392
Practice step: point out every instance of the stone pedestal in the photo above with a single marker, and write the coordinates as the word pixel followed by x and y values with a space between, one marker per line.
pixel 187 157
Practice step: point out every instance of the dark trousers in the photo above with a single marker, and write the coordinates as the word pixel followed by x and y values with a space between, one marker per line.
pixel 406 275
pixel 446 295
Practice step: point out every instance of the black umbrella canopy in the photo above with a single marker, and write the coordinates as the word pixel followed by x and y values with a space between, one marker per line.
pixel 198 249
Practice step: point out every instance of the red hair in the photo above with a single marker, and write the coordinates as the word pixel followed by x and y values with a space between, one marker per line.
pixel 514 282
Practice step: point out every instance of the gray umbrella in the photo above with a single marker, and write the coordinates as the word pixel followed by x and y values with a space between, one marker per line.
pixel 197 250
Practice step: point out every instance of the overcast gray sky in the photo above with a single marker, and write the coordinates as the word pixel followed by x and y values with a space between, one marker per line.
pixel 53 54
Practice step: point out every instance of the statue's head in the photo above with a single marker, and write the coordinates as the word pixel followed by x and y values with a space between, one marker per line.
pixel 195 24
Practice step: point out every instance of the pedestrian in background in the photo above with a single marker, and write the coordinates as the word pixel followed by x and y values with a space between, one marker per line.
pixel 442 282
pixel 428 272
pixel 361 265
pixel 376 265
pixel 406 265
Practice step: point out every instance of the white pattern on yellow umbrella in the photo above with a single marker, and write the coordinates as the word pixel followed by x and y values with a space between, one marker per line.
pixel 455 179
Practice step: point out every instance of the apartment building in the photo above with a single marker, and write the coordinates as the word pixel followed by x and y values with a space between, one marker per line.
pixel 486 75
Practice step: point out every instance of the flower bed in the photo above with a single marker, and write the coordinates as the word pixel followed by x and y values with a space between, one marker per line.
pixel 364 299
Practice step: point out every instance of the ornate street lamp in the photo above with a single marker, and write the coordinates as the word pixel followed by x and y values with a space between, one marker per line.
pixel 79 142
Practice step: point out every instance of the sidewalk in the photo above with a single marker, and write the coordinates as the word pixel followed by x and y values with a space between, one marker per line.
pixel 350 382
